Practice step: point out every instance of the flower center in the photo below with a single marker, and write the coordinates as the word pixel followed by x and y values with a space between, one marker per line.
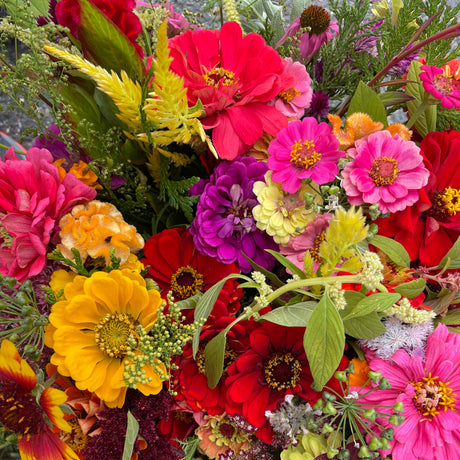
pixel 225 430
pixel 304 155
pixel 282 371
pixel 76 439
pixel 443 84
pixel 217 76
pixel 289 95
pixel 113 332
pixel 446 203
pixel 314 250
pixel 19 410
pixel 384 171
pixel 432 395
pixel 230 355
pixel 186 282
pixel 316 18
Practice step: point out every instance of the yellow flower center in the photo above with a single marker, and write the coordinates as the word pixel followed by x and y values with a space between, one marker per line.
pixel 431 396
pixel 289 95
pixel 113 332
pixel 186 282
pixel 304 155
pixel 384 171
pixel 316 18
pixel 446 203
pixel 76 439
pixel 282 371
pixel 218 76
pixel 314 250
pixel 443 84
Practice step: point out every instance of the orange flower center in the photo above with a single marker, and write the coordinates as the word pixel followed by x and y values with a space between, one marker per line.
pixel 289 95
pixel 443 84
pixel 432 396
pixel 186 282
pixel 316 18
pixel 384 171
pixel 282 371
pixel 19 410
pixel 76 439
pixel 314 250
pixel 304 155
pixel 218 76
pixel 112 334
pixel 446 203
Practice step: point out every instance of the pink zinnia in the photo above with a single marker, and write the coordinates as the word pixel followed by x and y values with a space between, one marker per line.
pixel 442 85
pixel 428 388
pixel 385 170
pixel 304 149
pixel 234 77
pixel 293 101
pixel 32 200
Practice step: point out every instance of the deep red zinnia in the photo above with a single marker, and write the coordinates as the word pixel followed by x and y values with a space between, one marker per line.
pixel 234 77
pixel 430 227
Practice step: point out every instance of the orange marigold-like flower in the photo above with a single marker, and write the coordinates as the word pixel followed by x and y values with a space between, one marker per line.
pixel 81 172
pixel 94 229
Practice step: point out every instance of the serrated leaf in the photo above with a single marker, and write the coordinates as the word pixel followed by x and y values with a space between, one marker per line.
pixel 366 100
pixel 285 262
pixel 296 315
pixel 324 341
pixel 454 255
pixel 373 303
pixel 297 8
pixel 365 327
pixel 411 289
pixel 427 121
pixel 451 317
pixel 131 435
pixel 394 250
pixel 104 43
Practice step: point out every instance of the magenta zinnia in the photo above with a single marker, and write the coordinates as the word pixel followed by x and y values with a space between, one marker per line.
pixel 385 170
pixel 304 149
pixel 441 84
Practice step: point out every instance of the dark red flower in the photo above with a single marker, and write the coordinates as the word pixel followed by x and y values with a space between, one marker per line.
pixel 274 366
pixel 430 228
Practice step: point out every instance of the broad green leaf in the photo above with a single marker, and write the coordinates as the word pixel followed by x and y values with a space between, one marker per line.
pixel 285 262
pixel 190 302
pixel 324 341
pixel 104 43
pixel 214 358
pixel 297 8
pixel 296 315
pixel 366 100
pixel 364 327
pixel 373 303
pixel 440 304
pixel 451 317
pixel 390 98
pixel 411 289
pixel 427 121
pixel 131 435
pixel 394 250
pixel 453 255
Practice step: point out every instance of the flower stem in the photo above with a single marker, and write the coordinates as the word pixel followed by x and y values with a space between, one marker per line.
pixel 420 109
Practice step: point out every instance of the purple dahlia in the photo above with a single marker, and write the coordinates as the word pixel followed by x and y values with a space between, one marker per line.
pixel 224 227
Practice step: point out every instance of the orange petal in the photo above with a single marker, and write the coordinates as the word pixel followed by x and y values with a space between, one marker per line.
pixel 401 130
pixel 12 367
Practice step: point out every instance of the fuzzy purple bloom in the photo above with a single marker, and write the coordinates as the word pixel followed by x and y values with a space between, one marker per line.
pixel 319 107
pixel 224 227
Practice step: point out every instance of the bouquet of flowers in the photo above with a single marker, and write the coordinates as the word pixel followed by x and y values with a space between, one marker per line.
pixel 240 238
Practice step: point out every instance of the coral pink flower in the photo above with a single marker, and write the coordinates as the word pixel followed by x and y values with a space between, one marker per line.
pixel 428 388
pixel 234 77
pixel 293 101
pixel 32 200
pixel 304 149
pixel 385 170
pixel 442 85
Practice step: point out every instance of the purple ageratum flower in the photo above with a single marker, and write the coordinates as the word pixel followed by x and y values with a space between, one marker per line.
pixel 224 227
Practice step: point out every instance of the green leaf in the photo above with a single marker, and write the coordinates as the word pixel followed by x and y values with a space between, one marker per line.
pixel 296 315
pixel 453 255
pixel 427 121
pixel 131 435
pixel 373 303
pixel 451 317
pixel 285 262
pixel 214 358
pixel 366 100
pixel 297 8
pixel 390 98
pixel 440 304
pixel 324 341
pixel 364 327
pixel 104 43
pixel 269 275
pixel 411 289
pixel 394 250
pixel 36 8
pixel 190 302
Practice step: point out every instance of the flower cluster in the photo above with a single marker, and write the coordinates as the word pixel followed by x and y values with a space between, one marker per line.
pixel 235 241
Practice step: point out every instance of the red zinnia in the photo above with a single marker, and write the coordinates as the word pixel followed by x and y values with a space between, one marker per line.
pixel 234 77
pixel 430 227
pixel 274 366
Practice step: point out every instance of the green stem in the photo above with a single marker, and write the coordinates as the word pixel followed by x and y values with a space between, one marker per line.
pixel 420 109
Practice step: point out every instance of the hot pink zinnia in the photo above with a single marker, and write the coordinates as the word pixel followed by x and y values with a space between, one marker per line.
pixel 234 77
pixel 32 200
pixel 428 388
pixel 304 149
pixel 385 170
pixel 442 85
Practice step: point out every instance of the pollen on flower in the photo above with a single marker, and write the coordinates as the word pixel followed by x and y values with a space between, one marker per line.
pixel 446 203
pixel 218 76
pixel 186 282
pixel 384 171
pixel 289 95
pixel 282 371
pixel 304 155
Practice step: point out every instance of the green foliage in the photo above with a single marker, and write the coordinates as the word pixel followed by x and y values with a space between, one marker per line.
pixel 394 250
pixel 132 430
pixel 365 100
pixel 296 315
pixel 452 258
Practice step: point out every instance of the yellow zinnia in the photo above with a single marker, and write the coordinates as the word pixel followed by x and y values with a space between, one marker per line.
pixel 90 329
